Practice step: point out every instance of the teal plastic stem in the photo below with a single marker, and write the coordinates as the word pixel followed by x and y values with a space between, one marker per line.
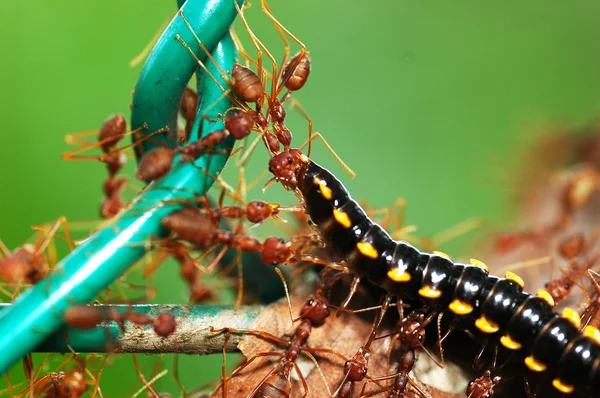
pixel 192 335
pixel 170 66
pixel 260 278
pixel 89 269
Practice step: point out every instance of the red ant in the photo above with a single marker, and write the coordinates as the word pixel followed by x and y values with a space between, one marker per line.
pixel 255 212
pixel 110 134
pixel 483 387
pixel 193 227
pixel 88 317
pixel 187 108
pixel 409 332
pixel 189 271
pixel 277 382
pixel 28 263
pixel 355 369
pixel 59 384
pixel 248 87
pixel 576 250
pixel 591 314
pixel 157 163
pixel 575 195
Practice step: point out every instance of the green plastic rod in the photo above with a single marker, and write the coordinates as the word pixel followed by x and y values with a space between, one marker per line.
pixel 89 269
pixel 170 66
pixel 192 335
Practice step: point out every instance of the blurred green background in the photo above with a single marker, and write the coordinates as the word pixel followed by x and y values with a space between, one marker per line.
pixel 425 100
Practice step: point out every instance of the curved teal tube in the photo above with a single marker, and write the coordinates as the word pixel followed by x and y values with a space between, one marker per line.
pixel 89 269
pixel 170 66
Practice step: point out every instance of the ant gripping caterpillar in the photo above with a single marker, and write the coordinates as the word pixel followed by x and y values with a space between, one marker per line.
pixel 498 306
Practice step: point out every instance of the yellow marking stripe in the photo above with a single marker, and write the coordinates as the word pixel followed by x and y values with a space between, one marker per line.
pixel 325 190
pixel 460 307
pixel 547 297
pixel 534 364
pixel 515 278
pixel 398 275
pixel 593 333
pixel 509 343
pixel 429 292
pixel 572 316
pixel 486 326
pixel 367 249
pixel 562 387
pixel 441 254
pixel 342 218
pixel 480 264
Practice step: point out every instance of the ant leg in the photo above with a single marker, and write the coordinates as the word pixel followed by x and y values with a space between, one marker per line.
pixel 259 385
pixel 73 154
pixel 142 378
pixel 295 104
pixel 259 355
pixel 353 289
pixel 4 249
pixel 304 384
pixel 315 260
pixel 257 333
pixel 258 45
pixel 224 365
pixel 376 379
pixel 287 294
pixel 346 168
pixel 281 28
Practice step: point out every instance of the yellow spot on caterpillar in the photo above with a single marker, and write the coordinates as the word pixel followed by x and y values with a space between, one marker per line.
pixel 479 264
pixel 593 333
pixel 398 275
pixel 486 326
pixel 572 316
pixel 562 387
pixel 342 218
pixel 367 249
pixel 509 343
pixel 534 364
pixel 441 254
pixel 429 292
pixel 304 158
pixel 515 278
pixel 460 307
pixel 547 297
pixel 325 190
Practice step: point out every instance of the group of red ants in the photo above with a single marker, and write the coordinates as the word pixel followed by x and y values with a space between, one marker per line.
pixel 196 227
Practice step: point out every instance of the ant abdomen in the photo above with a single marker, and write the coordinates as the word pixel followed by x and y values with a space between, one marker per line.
pixel 155 164
pixel 299 75
pixel 112 131
pixel 246 84
pixel 275 386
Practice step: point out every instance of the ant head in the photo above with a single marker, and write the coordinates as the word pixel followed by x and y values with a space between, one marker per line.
pixel 558 289
pixel 276 251
pixel 259 211
pixel 165 324
pixel 21 265
pixel 73 384
pixel 419 336
pixel 286 166
pixel 414 334
pixel 356 368
pixel 316 310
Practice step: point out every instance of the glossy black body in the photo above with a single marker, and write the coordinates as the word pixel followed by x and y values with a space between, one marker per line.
pixel 570 357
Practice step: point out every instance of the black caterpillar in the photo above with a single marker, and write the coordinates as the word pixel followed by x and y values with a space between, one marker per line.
pixel 497 306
